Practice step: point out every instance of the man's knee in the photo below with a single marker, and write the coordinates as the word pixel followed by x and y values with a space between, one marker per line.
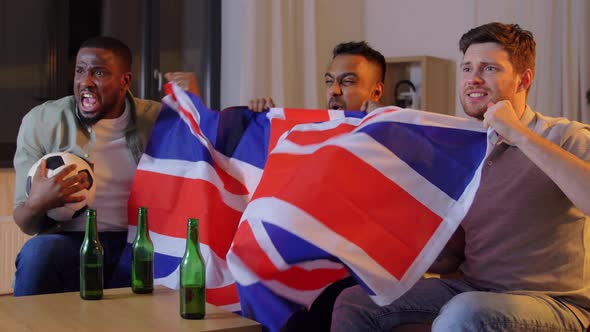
pixel 351 300
pixel 355 310
pixel 463 312
pixel 47 264
pixel 354 299
pixel 42 250
pixel 352 309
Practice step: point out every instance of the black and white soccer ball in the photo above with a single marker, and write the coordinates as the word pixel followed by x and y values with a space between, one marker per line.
pixel 55 163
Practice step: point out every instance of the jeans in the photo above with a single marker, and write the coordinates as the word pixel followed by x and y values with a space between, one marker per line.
pixel 50 263
pixel 453 305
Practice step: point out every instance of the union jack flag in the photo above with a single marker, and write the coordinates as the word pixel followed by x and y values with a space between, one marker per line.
pixel 204 164
pixel 375 197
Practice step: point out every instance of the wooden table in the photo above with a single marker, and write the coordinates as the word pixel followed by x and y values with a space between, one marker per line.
pixel 119 310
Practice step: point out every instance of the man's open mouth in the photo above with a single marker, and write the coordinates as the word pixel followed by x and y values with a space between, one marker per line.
pixel 87 100
pixel 336 106
pixel 476 94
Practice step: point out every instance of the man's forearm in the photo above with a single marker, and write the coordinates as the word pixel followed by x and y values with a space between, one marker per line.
pixel 569 172
pixel 28 219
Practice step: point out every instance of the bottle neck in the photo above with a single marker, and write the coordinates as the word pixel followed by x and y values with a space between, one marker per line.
pixel 91 232
pixel 142 225
pixel 192 240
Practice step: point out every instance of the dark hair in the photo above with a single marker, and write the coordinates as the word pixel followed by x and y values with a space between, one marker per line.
pixel 519 43
pixel 119 49
pixel 363 49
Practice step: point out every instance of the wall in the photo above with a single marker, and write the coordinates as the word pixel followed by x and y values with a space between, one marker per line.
pixel 429 27
pixel 348 24
pixel 406 28
pixel 256 34
pixel 281 48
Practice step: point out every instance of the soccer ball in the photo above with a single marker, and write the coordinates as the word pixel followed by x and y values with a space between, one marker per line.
pixel 55 163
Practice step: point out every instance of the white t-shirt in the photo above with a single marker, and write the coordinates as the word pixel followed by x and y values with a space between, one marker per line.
pixel 114 169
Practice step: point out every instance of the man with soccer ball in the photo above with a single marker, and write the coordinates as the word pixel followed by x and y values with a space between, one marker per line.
pixel 102 123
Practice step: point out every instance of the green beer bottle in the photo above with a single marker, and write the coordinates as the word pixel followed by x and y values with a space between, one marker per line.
pixel 91 261
pixel 192 276
pixel 142 256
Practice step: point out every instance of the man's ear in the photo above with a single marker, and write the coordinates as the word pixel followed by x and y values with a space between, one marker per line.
pixel 526 79
pixel 126 80
pixel 377 92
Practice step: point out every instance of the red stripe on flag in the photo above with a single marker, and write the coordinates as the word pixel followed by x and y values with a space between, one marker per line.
pixel 222 295
pixel 192 123
pixel 306 115
pixel 247 248
pixel 168 90
pixel 277 128
pixel 354 200
pixel 171 200
pixel 305 138
pixel 230 183
pixel 293 117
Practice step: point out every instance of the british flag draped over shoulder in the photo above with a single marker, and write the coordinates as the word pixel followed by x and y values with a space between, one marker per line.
pixel 290 201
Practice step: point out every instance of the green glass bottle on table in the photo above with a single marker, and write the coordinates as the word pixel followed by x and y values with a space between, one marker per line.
pixel 91 261
pixel 142 256
pixel 192 276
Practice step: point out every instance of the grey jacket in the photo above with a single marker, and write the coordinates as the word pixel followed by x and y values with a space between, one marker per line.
pixel 54 126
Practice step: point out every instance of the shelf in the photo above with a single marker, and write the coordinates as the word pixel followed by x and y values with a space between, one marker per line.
pixel 433 78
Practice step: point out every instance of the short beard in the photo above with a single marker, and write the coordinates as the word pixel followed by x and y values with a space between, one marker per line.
pixel 478 115
pixel 90 121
